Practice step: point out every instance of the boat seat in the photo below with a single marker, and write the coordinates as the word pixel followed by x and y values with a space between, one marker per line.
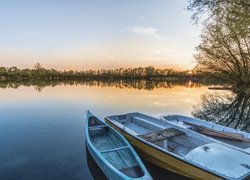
pixel 97 128
pixel 115 149
pixel 133 172
pixel 160 135
pixel 152 124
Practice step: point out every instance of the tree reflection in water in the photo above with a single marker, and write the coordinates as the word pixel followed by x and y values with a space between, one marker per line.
pixel 125 83
pixel 230 109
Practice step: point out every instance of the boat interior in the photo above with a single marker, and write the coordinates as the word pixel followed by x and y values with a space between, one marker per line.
pixel 161 133
pixel 184 144
pixel 113 148
pixel 196 125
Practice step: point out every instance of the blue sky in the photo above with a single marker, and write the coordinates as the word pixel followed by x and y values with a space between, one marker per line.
pixel 83 34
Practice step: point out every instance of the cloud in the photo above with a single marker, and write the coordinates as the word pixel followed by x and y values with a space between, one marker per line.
pixel 153 59
pixel 164 51
pixel 141 19
pixel 142 30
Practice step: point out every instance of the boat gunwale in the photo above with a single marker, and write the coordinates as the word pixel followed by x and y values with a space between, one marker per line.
pixel 100 155
pixel 108 118
pixel 243 133
pixel 210 137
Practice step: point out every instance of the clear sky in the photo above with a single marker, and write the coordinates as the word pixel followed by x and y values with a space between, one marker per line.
pixel 84 34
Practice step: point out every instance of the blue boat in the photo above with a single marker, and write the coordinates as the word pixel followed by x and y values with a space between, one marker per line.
pixel 112 152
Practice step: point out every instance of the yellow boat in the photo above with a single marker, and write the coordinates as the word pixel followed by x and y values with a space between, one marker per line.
pixel 181 150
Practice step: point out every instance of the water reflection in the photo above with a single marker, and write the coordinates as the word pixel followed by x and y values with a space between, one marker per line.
pixel 130 84
pixel 230 109
pixel 94 169
pixel 155 171
pixel 42 134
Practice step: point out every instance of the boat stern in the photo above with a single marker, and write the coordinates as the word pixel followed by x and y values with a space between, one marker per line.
pixel 227 162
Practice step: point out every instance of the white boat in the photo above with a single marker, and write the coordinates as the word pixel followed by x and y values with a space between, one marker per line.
pixel 181 150
pixel 230 136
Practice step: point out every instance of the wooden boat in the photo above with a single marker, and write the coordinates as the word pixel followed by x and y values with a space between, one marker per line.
pixel 181 150
pixel 112 152
pixel 230 136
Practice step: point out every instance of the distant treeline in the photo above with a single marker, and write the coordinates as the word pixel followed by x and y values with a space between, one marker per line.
pixel 150 72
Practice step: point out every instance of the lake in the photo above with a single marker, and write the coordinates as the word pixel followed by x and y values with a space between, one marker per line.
pixel 42 123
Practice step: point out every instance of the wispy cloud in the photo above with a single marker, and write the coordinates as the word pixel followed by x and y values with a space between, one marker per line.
pixel 164 51
pixel 142 30
pixel 153 59
pixel 141 19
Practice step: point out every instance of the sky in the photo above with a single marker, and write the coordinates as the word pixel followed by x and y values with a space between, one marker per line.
pixel 94 34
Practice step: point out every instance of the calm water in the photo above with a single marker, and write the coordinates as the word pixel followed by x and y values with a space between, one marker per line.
pixel 42 125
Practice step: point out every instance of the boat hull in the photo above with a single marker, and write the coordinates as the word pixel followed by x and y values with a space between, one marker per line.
pixel 118 161
pixel 105 169
pixel 164 160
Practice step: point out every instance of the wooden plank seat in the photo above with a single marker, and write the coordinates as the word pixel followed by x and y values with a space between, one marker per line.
pixel 145 121
pixel 115 149
pixel 97 128
pixel 160 135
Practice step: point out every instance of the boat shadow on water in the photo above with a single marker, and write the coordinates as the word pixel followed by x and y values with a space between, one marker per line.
pixel 156 172
pixel 94 169
pixel 159 173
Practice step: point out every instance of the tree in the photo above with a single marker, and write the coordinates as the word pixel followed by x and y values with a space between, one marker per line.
pixel 12 69
pixel 150 71
pixel 3 70
pixel 225 45
pixel 38 67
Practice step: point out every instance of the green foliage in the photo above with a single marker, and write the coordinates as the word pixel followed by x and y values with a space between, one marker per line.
pixel 3 70
pixel 225 45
